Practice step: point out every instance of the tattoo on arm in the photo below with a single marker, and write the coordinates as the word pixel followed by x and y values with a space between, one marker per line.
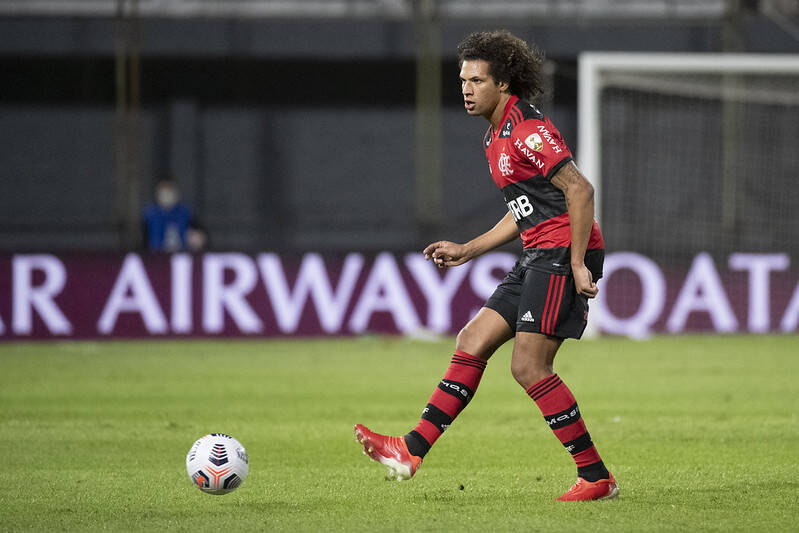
pixel 567 176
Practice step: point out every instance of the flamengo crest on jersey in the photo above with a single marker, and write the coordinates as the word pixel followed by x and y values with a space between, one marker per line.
pixel 523 155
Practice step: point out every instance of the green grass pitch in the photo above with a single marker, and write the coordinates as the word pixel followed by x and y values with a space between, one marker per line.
pixel 701 433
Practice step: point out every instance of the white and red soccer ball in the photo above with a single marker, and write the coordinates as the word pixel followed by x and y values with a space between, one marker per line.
pixel 217 463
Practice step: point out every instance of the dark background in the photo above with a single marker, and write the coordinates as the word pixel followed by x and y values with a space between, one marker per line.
pixel 286 134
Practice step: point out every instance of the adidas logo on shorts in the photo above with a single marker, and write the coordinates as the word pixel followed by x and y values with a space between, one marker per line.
pixel 528 317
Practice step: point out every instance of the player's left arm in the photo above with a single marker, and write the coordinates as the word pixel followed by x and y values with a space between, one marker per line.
pixel 580 203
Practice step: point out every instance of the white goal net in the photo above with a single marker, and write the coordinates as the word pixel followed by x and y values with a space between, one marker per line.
pixel 695 161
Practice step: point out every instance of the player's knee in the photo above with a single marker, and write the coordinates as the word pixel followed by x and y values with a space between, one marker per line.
pixel 520 371
pixel 470 341
pixel 527 373
pixel 529 370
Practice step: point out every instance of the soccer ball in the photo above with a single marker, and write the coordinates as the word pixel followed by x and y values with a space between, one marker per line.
pixel 217 463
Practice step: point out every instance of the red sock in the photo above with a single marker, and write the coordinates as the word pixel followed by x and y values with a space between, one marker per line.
pixel 560 410
pixel 453 394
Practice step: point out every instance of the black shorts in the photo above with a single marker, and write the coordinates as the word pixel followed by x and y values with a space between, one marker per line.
pixel 535 301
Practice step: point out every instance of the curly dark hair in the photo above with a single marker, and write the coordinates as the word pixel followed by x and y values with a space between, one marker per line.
pixel 510 60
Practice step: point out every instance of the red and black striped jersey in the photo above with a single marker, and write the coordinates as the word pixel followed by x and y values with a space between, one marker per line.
pixel 523 155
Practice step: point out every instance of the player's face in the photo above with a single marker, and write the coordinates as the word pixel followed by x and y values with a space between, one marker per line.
pixel 481 93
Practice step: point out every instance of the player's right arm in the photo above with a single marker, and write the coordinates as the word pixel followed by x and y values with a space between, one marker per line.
pixel 446 253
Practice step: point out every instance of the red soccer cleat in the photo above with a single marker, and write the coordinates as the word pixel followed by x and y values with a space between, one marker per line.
pixel 604 489
pixel 390 451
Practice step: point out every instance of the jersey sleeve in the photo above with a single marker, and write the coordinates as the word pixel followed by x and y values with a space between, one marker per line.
pixel 541 144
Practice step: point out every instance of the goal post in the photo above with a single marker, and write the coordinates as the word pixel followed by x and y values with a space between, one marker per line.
pixel 674 144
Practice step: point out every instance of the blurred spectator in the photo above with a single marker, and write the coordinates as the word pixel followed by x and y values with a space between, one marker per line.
pixel 168 224
pixel 196 237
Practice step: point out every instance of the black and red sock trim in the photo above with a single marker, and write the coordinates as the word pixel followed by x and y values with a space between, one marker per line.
pixel 417 445
pixel 460 391
pixel 593 472
pixel 562 414
pixel 580 444
pixel 544 386
pixel 437 417
pixel 464 355
pixel 450 397
pixel 568 416
pixel 468 360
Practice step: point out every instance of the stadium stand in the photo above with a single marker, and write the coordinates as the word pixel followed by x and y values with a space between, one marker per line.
pixel 353 8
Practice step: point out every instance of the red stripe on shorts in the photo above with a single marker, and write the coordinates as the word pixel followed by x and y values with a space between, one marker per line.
pixel 554 317
pixel 547 304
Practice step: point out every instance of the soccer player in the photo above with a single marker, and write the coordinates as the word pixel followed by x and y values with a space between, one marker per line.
pixel 544 298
